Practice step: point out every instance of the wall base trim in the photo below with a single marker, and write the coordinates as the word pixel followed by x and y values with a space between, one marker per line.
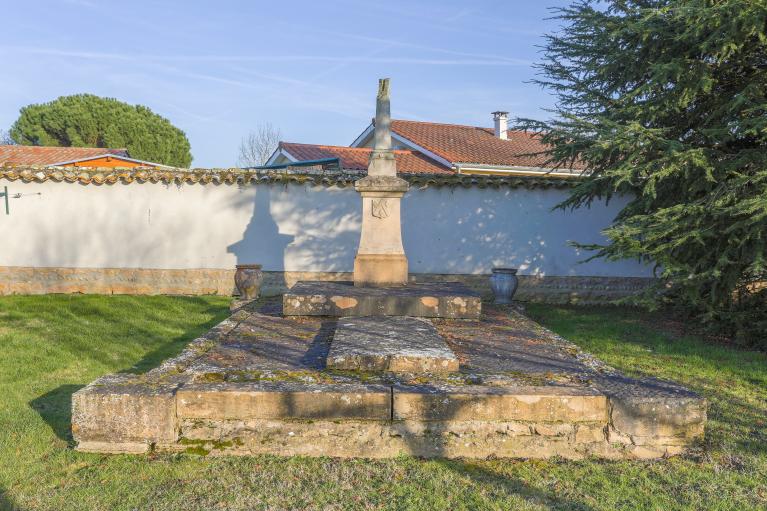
pixel 26 280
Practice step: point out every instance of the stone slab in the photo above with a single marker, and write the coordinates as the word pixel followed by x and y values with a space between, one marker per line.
pixel 284 400
pixel 122 409
pixel 385 343
pixel 649 411
pixel 479 402
pixel 430 300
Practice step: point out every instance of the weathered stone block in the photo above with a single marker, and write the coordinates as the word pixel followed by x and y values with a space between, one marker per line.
pixel 386 343
pixel 380 269
pixel 588 433
pixel 125 413
pixel 554 429
pixel 382 439
pixel 567 404
pixel 658 419
pixel 430 300
pixel 284 400
pixel 641 452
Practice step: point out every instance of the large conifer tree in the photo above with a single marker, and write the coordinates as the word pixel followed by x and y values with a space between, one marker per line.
pixel 85 120
pixel 666 100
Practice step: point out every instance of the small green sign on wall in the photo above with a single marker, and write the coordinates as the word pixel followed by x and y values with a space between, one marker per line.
pixel 4 195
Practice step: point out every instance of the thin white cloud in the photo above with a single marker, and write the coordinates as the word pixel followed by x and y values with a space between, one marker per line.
pixel 81 3
pixel 425 17
pixel 265 58
pixel 484 57
pixel 459 15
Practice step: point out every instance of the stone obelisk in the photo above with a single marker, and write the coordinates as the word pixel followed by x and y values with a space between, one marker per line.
pixel 380 257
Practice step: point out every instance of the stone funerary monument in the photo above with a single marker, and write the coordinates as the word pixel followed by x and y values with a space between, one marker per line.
pixel 384 366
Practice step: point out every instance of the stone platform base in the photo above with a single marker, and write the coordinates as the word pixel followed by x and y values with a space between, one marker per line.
pixel 428 300
pixel 258 383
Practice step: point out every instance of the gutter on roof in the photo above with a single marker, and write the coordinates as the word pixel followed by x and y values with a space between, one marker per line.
pixel 462 168
pixel 362 136
pixel 330 162
pixel 429 154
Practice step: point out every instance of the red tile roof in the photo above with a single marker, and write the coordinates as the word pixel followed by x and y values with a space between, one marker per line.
pixel 356 158
pixel 472 144
pixel 43 155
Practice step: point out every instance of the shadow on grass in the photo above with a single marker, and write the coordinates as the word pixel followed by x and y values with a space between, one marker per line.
pixel 6 504
pixel 176 345
pixel 55 408
pixel 510 486
pixel 724 374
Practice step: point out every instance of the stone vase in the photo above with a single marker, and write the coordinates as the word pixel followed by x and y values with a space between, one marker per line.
pixel 504 283
pixel 248 279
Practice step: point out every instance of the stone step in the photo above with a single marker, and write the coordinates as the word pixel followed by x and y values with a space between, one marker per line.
pixel 334 401
pixel 390 343
pixel 429 300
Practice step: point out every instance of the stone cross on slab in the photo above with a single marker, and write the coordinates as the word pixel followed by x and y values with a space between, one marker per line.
pixel 381 257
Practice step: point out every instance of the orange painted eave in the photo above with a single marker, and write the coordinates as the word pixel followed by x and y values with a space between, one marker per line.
pixel 108 161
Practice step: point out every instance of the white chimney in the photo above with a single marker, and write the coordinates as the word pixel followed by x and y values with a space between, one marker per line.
pixel 501 120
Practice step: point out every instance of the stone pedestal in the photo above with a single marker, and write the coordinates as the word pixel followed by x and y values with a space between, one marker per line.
pixel 380 259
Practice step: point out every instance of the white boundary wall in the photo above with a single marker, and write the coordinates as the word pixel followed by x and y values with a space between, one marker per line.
pixel 293 227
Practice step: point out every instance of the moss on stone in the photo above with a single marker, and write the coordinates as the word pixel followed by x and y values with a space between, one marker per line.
pixel 211 378
pixel 204 447
pixel 198 450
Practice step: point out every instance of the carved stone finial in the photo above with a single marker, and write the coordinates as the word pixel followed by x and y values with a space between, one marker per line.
pixel 383 88
pixel 382 158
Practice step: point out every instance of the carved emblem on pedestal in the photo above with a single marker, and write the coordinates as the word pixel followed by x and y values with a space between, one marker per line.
pixel 379 208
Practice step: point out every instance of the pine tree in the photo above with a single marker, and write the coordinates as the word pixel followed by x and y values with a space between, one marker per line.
pixel 666 101
pixel 85 120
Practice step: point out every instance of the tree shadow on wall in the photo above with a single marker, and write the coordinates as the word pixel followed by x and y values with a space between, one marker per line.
pixel 476 232
pixel 262 242
pixel 296 228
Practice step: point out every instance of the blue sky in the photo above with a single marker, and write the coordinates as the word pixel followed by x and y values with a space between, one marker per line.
pixel 217 69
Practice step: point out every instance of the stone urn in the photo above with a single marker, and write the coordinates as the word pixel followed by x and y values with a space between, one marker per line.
pixel 504 283
pixel 248 278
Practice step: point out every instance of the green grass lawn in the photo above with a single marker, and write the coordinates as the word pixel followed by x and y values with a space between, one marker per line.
pixel 53 345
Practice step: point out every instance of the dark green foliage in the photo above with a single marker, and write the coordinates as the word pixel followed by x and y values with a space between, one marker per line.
pixel 666 101
pixel 85 120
